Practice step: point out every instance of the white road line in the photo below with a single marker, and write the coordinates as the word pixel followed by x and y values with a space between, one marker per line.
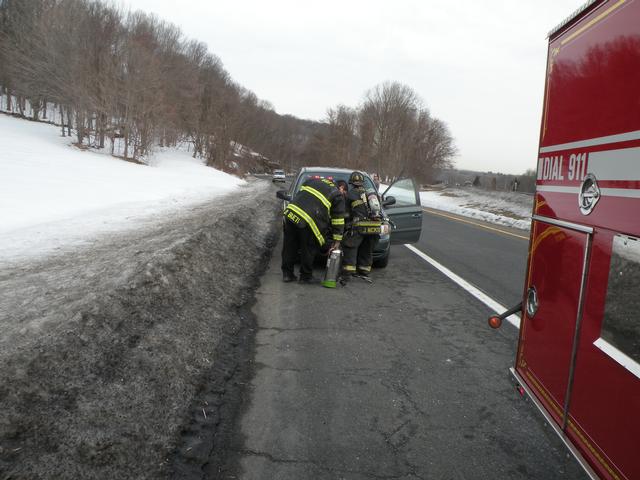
pixel 620 357
pixel 483 297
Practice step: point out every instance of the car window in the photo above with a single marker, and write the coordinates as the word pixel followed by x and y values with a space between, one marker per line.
pixel 333 176
pixel 368 185
pixel 404 193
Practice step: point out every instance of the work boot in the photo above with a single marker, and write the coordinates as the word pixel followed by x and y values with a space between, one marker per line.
pixel 288 277
pixel 346 275
pixel 308 280
pixel 364 276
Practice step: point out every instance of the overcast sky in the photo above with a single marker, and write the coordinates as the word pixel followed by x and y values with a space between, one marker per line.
pixel 478 65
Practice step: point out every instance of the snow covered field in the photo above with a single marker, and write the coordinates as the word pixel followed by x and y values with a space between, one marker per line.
pixel 503 208
pixel 53 195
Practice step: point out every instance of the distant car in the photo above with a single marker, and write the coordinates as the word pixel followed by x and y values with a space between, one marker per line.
pixel 279 176
pixel 400 201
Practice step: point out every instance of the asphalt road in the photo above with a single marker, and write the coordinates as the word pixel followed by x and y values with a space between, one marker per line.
pixel 399 379
pixel 492 258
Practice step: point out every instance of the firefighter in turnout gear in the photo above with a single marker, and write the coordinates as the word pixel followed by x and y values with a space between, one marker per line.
pixel 313 221
pixel 362 230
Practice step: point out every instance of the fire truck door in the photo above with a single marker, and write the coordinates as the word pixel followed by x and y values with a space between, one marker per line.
pixel 551 323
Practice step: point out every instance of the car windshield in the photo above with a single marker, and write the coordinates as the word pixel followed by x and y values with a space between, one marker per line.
pixel 278 172
pixel 334 177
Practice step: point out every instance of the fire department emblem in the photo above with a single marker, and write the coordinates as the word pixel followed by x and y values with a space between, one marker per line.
pixel 589 194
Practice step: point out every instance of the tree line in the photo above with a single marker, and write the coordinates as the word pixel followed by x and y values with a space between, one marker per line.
pixel 129 76
pixel 391 133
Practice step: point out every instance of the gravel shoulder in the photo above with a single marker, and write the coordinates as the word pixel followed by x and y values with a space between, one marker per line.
pixel 104 349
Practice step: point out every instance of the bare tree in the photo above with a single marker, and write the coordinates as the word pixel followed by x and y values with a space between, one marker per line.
pixel 391 133
pixel 135 77
pixel 342 140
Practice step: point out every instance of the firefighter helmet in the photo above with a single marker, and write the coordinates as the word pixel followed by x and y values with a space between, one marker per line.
pixel 356 179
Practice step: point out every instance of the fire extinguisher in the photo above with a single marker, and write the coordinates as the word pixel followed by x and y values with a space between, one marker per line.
pixel 332 272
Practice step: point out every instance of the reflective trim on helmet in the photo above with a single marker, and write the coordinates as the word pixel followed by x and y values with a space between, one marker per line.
pixel 356 178
pixel 310 222
pixel 318 195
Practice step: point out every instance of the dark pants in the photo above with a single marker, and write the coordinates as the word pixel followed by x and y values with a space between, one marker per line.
pixel 357 252
pixel 298 239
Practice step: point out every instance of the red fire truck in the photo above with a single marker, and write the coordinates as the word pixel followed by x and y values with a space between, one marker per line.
pixel 578 354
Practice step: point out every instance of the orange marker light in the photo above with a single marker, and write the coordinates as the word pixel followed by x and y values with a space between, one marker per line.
pixel 495 321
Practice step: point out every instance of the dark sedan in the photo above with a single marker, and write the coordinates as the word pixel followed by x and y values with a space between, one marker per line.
pixel 401 203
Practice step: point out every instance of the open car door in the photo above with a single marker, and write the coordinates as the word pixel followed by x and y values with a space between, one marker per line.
pixel 406 212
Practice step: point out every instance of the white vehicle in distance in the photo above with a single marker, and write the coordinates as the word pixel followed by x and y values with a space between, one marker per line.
pixel 279 176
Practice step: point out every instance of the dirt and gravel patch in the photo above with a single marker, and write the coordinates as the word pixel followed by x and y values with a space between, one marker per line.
pixel 105 351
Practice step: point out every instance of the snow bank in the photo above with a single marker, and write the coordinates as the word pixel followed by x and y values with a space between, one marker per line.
pixel 503 208
pixel 54 195
pixel 118 357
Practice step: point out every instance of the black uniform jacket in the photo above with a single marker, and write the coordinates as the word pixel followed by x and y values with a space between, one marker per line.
pixel 356 204
pixel 319 205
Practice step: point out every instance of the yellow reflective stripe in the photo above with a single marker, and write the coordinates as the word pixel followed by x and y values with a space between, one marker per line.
pixel 349 268
pixel 318 195
pixel 292 216
pixel 337 237
pixel 368 224
pixel 337 221
pixel 355 203
pixel 365 269
pixel 309 220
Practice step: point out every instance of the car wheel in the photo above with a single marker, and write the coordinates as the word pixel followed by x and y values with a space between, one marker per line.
pixel 384 261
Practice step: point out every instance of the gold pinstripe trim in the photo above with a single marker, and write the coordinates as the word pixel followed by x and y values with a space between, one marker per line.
pixel 592 22
pixel 552 403
pixel 572 426
pixel 593 451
